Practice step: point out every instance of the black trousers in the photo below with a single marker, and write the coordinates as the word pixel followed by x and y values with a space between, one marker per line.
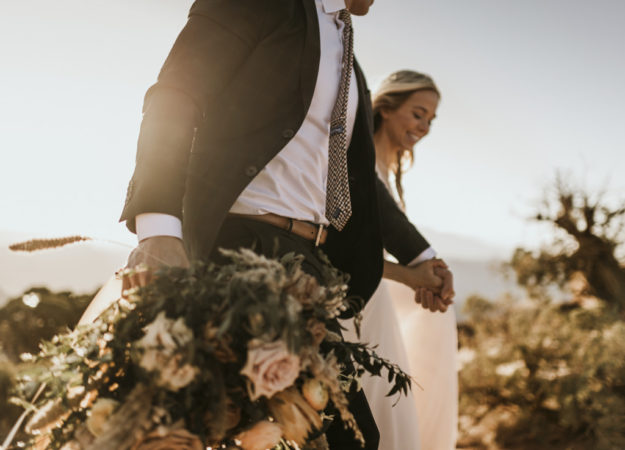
pixel 271 241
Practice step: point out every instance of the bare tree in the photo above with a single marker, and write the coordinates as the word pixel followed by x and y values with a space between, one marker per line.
pixel 590 233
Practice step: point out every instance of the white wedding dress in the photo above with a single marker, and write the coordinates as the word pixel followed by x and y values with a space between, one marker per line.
pixel 424 344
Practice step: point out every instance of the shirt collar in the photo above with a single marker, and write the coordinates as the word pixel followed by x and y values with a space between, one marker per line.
pixel 332 6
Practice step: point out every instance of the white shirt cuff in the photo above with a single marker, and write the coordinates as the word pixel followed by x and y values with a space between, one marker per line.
pixel 428 253
pixel 157 224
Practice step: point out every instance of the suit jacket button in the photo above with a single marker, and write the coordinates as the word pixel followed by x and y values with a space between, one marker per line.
pixel 288 133
pixel 251 171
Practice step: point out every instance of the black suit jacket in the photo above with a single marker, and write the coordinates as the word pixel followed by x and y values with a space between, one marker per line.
pixel 233 91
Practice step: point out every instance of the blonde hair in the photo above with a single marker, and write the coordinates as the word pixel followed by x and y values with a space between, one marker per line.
pixel 392 93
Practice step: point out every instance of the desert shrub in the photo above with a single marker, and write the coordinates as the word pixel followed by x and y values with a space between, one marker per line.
pixel 9 412
pixel 37 315
pixel 544 373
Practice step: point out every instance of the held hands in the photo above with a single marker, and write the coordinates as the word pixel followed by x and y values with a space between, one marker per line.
pixel 431 280
pixel 437 299
pixel 150 254
pixel 433 285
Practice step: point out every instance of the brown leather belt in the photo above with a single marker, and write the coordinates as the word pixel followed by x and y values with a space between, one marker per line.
pixel 307 230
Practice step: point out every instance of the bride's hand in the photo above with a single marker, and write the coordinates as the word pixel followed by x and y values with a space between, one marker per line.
pixel 431 300
pixel 150 254
pixel 447 289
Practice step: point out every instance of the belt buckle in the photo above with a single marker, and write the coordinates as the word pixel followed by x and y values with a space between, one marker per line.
pixel 318 238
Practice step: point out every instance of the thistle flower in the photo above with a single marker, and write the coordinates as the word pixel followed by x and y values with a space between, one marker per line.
pixel 317 330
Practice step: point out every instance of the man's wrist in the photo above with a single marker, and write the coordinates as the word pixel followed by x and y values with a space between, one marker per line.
pixel 157 224
pixel 427 254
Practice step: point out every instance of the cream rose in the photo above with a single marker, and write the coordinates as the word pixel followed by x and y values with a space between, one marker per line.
pixel 262 436
pixel 160 345
pixel 174 376
pixel 174 439
pixel 270 368
pixel 100 413
pixel 166 334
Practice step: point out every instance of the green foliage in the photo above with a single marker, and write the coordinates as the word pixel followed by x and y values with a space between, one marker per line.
pixel 369 361
pixel 22 328
pixel 551 374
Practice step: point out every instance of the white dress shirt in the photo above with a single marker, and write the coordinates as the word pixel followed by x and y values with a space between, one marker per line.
pixel 293 183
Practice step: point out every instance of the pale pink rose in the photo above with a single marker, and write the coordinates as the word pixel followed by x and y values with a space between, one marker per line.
pixel 270 368
pixel 262 436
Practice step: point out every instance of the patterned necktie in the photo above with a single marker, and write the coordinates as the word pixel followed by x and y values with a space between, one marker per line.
pixel 338 202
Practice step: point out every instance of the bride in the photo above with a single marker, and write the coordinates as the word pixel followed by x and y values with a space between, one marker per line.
pixel 423 342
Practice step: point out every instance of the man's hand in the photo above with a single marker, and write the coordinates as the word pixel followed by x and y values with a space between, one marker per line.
pixel 150 254
pixel 439 299
pixel 432 300
pixel 424 274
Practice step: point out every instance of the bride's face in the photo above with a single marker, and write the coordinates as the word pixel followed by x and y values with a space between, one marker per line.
pixel 406 125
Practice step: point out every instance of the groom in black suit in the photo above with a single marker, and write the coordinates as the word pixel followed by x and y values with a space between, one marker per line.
pixel 256 117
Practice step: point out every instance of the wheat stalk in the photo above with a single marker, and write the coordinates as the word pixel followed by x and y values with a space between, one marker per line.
pixel 44 244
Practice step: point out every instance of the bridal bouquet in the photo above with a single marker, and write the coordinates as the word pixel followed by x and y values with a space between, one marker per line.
pixel 236 356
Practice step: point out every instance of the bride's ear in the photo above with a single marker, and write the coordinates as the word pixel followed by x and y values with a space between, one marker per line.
pixel 384 113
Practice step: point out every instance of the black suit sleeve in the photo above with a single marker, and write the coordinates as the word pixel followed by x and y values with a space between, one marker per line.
pixel 400 237
pixel 217 39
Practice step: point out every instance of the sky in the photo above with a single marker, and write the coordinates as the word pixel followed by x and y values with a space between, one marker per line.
pixel 528 88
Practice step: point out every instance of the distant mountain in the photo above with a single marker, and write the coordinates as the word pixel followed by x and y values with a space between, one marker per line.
pixel 83 267
pixel 454 246
pixel 485 278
